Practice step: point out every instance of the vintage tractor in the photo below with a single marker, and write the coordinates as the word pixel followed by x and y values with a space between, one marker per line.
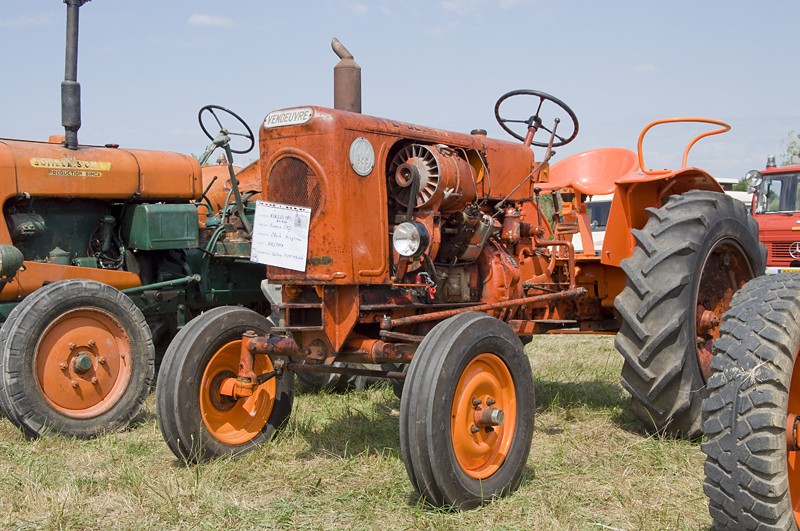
pixel 104 252
pixel 752 413
pixel 402 244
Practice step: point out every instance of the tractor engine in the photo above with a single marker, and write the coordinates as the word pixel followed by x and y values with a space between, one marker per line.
pixel 401 216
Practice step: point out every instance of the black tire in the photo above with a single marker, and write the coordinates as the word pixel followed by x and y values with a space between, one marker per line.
pixel 748 479
pixel 57 326
pixel 437 410
pixel 5 401
pixel 678 263
pixel 212 340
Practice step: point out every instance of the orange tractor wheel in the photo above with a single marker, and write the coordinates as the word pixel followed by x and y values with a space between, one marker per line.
pixel 77 359
pixel 751 415
pixel 197 419
pixel 466 415
pixel 689 260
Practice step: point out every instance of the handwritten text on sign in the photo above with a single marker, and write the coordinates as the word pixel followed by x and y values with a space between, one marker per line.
pixel 280 235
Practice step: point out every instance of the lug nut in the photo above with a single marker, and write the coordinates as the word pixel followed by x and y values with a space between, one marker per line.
pixel 62 366
pixel 93 380
pixel 101 359
pixel 490 402
pixel 474 429
pixel 72 346
pixel 92 343
pixel 476 402
pixel 73 383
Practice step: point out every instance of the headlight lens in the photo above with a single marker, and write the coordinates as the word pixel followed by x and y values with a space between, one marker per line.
pixel 410 238
pixel 753 178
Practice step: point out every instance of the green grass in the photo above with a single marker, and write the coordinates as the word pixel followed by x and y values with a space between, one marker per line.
pixel 337 465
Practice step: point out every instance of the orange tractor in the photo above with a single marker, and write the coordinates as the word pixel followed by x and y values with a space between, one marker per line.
pixel 103 255
pixel 400 244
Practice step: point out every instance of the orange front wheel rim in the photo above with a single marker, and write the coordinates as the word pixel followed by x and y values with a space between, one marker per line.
pixel 235 421
pixel 481 449
pixel 83 362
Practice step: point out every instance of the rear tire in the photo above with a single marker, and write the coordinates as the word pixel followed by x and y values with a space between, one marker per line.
pixel 752 480
pixel 689 259
pixel 77 359
pixel 197 423
pixel 466 363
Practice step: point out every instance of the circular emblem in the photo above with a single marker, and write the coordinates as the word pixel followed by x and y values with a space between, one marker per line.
pixel 794 250
pixel 362 156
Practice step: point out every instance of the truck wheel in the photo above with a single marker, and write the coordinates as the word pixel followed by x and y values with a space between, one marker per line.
pixel 689 260
pixel 198 422
pixel 467 411
pixel 751 414
pixel 77 359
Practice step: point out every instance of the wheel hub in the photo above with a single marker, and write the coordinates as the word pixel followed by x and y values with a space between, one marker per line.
pixel 487 416
pixel 82 363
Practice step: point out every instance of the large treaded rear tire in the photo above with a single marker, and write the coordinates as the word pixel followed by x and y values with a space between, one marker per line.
pixel 682 241
pixel 749 481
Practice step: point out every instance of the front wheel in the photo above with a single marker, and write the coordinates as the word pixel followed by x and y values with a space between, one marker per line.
pixel 197 421
pixel 466 415
pixel 751 423
pixel 77 359
pixel 689 260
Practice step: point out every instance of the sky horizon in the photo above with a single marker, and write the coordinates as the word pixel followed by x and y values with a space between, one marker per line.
pixel 146 68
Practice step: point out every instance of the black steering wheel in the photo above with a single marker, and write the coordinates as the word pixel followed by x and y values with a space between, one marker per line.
pixel 535 121
pixel 210 109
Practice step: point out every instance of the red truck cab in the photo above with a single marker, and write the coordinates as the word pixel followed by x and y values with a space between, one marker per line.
pixel 776 207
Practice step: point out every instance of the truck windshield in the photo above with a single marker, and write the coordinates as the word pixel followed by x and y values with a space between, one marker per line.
pixel 598 213
pixel 778 193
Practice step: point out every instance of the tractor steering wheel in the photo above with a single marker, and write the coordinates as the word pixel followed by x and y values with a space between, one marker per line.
pixel 535 121
pixel 210 109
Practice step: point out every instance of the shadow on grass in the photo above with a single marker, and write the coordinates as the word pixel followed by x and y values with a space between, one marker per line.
pixel 372 427
pixel 595 394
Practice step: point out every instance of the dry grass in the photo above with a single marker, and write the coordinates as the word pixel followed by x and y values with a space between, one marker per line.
pixel 337 466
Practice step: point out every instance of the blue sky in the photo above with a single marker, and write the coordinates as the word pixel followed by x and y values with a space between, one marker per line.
pixel 146 67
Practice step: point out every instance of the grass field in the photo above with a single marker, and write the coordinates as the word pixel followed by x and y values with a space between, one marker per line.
pixel 337 465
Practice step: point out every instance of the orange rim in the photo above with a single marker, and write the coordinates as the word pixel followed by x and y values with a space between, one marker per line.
pixel 228 421
pixel 480 453
pixel 792 458
pixel 83 363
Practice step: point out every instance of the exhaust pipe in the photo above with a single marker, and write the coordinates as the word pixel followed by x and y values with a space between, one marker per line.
pixel 346 80
pixel 70 88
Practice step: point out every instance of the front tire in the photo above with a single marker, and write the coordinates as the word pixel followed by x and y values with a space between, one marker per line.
pixel 77 359
pixel 468 364
pixel 197 422
pixel 689 259
pixel 752 477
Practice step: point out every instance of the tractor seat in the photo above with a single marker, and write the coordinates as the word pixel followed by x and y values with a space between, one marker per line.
pixel 592 172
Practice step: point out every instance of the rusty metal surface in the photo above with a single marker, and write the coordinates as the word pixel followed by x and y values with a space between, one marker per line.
pixel 433 316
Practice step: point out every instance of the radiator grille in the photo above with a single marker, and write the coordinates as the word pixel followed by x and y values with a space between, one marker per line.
pixel 293 182
pixel 779 251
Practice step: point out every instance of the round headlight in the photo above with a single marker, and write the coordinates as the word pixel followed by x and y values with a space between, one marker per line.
pixel 410 238
pixel 753 178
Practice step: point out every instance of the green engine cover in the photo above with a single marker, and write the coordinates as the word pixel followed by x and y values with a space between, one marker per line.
pixel 160 227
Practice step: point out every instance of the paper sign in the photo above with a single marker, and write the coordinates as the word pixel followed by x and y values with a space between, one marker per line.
pixel 280 235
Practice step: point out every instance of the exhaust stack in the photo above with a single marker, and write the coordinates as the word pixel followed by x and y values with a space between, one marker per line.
pixel 70 88
pixel 346 80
